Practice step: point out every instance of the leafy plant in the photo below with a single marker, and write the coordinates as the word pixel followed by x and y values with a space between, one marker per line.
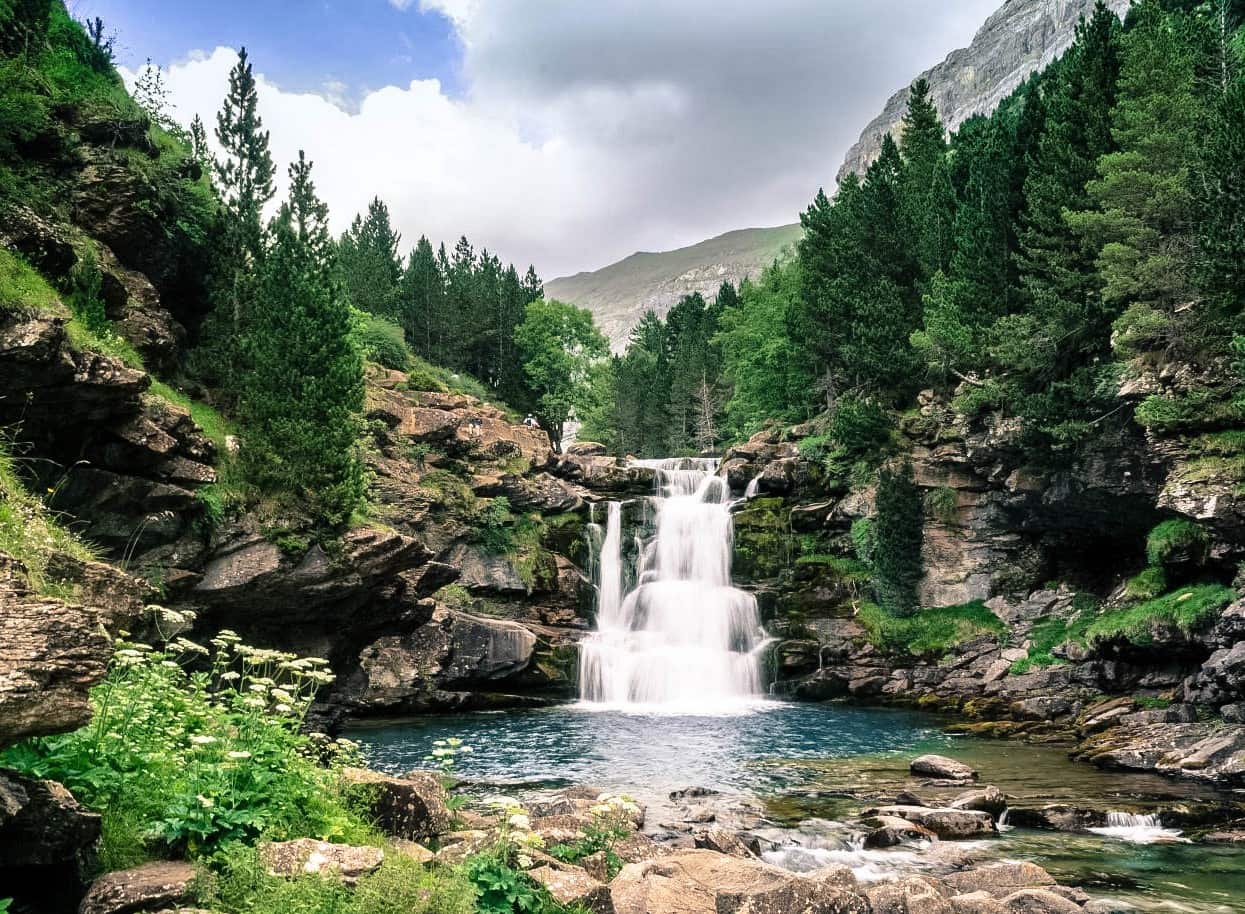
pixel 1174 538
pixel 610 823
pixel 941 503
pixel 192 747
pixel 494 526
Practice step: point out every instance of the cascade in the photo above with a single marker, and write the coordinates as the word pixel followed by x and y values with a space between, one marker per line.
pixel 683 638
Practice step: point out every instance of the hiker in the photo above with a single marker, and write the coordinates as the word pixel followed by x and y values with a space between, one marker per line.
pixel 530 421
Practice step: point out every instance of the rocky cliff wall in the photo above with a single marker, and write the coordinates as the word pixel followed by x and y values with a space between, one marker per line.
pixel 1020 38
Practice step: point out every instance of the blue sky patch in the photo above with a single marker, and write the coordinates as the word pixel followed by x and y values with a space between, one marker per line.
pixel 341 48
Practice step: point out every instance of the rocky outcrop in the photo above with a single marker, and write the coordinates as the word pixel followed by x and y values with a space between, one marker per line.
pixel 160 886
pixel 306 855
pixel 1022 37
pixel 412 807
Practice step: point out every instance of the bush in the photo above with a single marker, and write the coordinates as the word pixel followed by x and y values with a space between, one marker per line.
pixel 1200 408
pixel 859 425
pixel 494 531
pixel 382 342
pixel 1174 539
pixel 192 760
pixel 941 503
pixel 1187 609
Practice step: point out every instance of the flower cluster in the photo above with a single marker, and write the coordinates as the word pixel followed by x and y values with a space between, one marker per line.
pixel 515 834
pixel 445 754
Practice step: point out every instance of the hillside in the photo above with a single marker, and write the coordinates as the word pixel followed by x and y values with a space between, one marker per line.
pixel 1021 37
pixel 619 294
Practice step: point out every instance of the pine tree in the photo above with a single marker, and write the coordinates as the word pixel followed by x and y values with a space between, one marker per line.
pixel 370 265
pixel 244 176
pixel 423 301
pixel 1142 224
pixel 533 288
pixel 303 390
pixel 926 199
pixel 199 151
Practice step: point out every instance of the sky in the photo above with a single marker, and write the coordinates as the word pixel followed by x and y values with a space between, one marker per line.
pixel 563 133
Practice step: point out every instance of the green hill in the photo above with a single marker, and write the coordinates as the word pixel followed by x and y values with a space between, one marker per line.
pixel 618 295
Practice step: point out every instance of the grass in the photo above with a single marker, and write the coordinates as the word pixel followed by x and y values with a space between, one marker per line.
pixel 1049 633
pixel 22 289
pixel 930 632
pixel 1187 609
pixel 844 568
pixel 213 423
pixel 1173 537
pixel 1146 584
pixel 29 532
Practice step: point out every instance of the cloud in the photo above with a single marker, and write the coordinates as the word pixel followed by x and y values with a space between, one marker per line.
pixel 590 130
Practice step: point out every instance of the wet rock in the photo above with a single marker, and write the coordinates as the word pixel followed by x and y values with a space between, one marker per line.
pixel 987 799
pixel 948 824
pixel 413 806
pixel 1057 817
pixel 572 886
pixel 724 842
pixel 1107 906
pixel 939 766
pixel 150 887
pixel 1039 901
pixel 1000 879
pixel 306 855
pixel 888 831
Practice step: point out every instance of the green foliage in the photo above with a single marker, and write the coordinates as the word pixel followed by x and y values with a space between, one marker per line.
pixel 1146 584
pixel 243 885
pixel 1051 632
pixel 382 341
pixel 1189 609
pixel 845 569
pixel 367 255
pixel 194 748
pixel 22 289
pixel 494 526
pixel 302 392
pixel 929 633
pixel 558 344
pixel 898 531
pixel 1197 409
pixel 30 533
pixel 941 503
pixel 865 539
pixel 1178 538
pixel 859 425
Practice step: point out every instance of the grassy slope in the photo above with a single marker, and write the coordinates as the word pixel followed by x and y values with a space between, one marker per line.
pixel 619 294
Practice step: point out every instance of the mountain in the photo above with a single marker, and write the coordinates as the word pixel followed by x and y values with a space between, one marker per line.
pixel 619 294
pixel 1020 37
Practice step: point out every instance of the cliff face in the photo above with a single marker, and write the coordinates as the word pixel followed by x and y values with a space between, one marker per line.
pixel 1021 37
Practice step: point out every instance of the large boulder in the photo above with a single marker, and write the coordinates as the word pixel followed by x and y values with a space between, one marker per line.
pixel 705 882
pixel 414 806
pixel 1039 901
pixel 151 887
pixel 909 895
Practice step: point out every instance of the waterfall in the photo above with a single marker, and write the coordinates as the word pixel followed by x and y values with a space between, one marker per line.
pixel 754 486
pixel 683 639
pixel 1138 829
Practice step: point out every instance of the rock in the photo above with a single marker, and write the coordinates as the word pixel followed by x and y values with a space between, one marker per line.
pixel 909 895
pixel 1038 901
pixel 413 806
pixel 999 879
pixel 949 824
pixel 1107 906
pixel 587 449
pixel 888 831
pixel 704 882
pixel 939 766
pixel 150 887
pixel 1058 817
pixel 724 842
pixel 307 855
pixel 572 886
pixel 51 654
pixel 977 903
pixel 986 799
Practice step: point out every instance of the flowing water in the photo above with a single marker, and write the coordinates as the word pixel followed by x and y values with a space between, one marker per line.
pixel 683 640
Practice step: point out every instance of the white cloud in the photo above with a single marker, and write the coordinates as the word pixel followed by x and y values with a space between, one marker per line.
pixel 589 130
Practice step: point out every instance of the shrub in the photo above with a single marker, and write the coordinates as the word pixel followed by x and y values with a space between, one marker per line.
pixel 941 503
pixel 859 425
pixel 382 342
pixel 1200 408
pixel 864 539
pixel 1188 609
pixel 192 760
pixel 1173 539
pixel 494 530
